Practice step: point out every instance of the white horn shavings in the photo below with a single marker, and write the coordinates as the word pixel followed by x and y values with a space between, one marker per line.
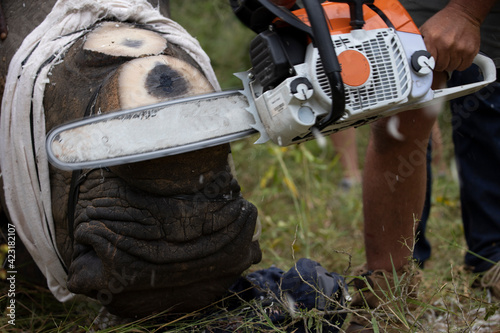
pixel 434 110
pixel 393 128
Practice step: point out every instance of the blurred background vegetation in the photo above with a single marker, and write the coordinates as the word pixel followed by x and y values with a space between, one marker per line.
pixel 220 34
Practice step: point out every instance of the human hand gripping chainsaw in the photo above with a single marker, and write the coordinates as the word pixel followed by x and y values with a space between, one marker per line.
pixel 315 71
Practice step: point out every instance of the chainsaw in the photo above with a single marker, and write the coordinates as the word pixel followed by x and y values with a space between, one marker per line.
pixel 315 71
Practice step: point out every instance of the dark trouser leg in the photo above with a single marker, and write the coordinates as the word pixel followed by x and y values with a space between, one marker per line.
pixel 422 250
pixel 476 136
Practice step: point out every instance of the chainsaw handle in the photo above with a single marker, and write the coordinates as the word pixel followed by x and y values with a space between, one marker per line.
pixel 286 16
pixel 323 42
pixel 488 70
pixel 259 14
pixel 356 11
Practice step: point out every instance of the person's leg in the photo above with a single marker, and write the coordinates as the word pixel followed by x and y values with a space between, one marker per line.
pixel 438 154
pixel 476 136
pixel 346 146
pixel 394 185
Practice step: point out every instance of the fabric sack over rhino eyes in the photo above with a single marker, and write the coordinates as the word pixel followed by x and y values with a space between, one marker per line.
pixel 23 160
pixel 305 287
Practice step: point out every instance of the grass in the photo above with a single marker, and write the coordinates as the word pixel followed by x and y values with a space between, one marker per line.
pixel 304 213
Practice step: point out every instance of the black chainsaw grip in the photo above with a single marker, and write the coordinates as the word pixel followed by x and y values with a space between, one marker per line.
pixel 259 14
pixel 331 66
pixel 252 14
pixel 356 11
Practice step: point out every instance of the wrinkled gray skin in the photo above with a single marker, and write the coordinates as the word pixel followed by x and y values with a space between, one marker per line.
pixel 171 233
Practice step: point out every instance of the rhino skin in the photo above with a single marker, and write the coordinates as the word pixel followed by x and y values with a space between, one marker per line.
pixel 167 234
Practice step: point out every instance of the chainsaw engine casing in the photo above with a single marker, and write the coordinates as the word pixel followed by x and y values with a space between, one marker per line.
pixel 382 67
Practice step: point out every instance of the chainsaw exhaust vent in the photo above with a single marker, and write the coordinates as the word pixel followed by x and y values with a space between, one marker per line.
pixel 390 77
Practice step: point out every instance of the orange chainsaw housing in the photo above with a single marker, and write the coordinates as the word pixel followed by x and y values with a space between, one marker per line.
pixel 339 17
pixel 355 66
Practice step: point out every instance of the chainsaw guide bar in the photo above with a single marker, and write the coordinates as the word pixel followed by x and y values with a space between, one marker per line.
pixel 112 139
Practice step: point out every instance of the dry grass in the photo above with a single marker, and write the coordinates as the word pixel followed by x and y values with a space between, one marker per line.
pixel 304 214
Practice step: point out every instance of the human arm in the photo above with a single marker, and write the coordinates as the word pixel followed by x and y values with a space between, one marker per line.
pixel 452 35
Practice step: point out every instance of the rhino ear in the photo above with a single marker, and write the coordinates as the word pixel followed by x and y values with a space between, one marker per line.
pixel 119 39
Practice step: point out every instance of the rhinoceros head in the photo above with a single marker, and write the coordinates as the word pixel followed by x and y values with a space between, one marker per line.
pixel 166 234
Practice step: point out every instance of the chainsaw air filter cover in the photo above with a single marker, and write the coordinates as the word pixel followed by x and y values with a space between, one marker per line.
pixel 375 70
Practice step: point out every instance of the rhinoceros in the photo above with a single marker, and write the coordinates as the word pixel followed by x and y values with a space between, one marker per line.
pixel 171 233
